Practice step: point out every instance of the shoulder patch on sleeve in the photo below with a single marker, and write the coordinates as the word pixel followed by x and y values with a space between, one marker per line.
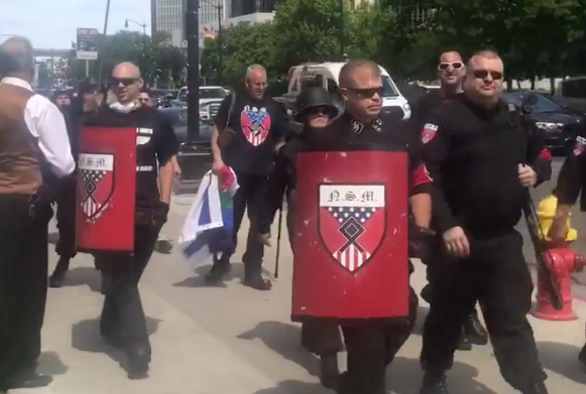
pixel 579 146
pixel 428 133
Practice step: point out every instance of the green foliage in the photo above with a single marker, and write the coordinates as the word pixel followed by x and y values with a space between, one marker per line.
pixel 536 38
pixel 154 55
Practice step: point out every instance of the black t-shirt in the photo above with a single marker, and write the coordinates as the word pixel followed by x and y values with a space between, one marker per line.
pixel 156 143
pixel 259 125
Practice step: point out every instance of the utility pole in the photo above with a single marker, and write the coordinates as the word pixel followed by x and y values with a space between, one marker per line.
pixel 100 61
pixel 342 30
pixel 220 8
pixel 192 35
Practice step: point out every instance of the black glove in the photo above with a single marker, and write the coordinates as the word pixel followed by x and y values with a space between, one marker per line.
pixel 161 213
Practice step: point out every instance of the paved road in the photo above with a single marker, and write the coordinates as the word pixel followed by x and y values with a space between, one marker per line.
pixel 235 340
pixel 578 222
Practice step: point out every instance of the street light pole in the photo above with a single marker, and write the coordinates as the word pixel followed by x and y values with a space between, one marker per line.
pixel 342 30
pixel 144 42
pixel 100 62
pixel 220 8
pixel 192 35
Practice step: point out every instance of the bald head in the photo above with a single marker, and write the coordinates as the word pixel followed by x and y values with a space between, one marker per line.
pixel 16 56
pixel 352 68
pixel 484 55
pixel 126 82
pixel 126 70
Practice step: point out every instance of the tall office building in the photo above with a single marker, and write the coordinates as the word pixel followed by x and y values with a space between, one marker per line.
pixel 167 16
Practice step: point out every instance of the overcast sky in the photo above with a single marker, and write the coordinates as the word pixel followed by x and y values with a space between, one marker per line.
pixel 53 23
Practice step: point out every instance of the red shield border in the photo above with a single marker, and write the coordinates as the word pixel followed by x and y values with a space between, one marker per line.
pixel 324 217
pixel 86 194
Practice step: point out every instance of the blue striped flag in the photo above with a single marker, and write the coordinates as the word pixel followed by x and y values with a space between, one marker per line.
pixel 207 230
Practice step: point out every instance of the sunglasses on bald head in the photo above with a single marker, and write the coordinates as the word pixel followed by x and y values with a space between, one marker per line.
pixel 367 92
pixel 483 74
pixel 124 81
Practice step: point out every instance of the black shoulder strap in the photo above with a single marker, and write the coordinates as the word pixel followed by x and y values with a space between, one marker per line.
pixel 231 109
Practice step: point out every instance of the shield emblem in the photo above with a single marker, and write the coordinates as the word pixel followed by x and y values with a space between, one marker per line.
pixel 255 124
pixel 579 146
pixel 352 222
pixel 428 132
pixel 97 177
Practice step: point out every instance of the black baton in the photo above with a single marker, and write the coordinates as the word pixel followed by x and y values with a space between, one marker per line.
pixel 279 232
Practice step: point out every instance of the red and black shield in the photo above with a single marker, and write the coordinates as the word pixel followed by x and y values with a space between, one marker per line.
pixel 352 222
pixel 97 176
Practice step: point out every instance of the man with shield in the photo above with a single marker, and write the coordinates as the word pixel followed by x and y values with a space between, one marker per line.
pixel 351 228
pixel 127 173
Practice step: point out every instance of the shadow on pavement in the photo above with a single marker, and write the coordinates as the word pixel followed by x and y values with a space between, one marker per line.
pixel 404 376
pixel 236 272
pixel 49 363
pixel 80 276
pixel 85 336
pixel 296 387
pixel 562 359
pixel 284 339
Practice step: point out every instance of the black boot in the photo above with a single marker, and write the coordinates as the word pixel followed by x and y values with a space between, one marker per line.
pixel 25 378
pixel 139 358
pixel 538 388
pixel 474 331
pixel 582 356
pixel 58 275
pixel 434 382
pixel 329 370
pixel 220 268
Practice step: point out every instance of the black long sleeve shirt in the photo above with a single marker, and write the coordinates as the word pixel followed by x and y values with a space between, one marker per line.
pixel 473 156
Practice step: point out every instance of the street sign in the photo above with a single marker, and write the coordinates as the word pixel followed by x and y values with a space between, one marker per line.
pixel 87 44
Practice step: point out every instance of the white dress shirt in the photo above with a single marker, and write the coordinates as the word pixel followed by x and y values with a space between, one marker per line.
pixel 47 124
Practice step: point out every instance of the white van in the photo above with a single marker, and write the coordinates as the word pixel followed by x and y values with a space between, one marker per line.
pixel 326 75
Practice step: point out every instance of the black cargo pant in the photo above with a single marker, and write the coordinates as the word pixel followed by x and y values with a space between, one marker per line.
pixel 23 281
pixel 122 314
pixel 66 218
pixel 371 346
pixel 495 274
pixel 247 199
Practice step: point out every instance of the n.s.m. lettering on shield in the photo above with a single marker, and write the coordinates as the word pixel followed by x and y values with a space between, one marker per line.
pixel 352 222
pixel 97 177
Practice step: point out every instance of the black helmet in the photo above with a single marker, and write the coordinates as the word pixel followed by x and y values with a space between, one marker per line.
pixel 315 96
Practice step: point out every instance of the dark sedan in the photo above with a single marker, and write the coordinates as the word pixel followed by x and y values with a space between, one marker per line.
pixel 194 157
pixel 561 125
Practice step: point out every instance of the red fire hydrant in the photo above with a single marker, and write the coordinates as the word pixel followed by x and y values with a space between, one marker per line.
pixel 562 263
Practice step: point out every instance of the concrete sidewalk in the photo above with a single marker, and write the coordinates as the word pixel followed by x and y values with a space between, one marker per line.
pixel 235 340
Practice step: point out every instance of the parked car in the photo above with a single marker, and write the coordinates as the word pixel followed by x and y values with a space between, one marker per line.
pixel 194 157
pixel 561 125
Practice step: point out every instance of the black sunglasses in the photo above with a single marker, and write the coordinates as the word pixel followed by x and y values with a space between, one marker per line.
pixel 320 109
pixel 366 92
pixel 483 74
pixel 124 81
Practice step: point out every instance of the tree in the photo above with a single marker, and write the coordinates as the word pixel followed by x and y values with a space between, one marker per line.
pixel 365 29
pixel 309 30
pixel 241 46
pixel 154 56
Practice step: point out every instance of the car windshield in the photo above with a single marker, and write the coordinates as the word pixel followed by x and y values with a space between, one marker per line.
pixel 214 93
pixel 543 104
pixel 389 89
pixel 204 93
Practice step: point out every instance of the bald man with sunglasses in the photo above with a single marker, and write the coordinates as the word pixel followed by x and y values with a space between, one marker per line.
pixel 482 160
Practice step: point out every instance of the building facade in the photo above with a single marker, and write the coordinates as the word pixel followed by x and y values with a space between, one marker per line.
pixel 167 16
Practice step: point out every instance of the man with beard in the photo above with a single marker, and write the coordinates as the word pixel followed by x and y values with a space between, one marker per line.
pixel 483 160
pixel 316 110
pixel 123 322
pixel 33 141
pixel 451 70
pixel 255 125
